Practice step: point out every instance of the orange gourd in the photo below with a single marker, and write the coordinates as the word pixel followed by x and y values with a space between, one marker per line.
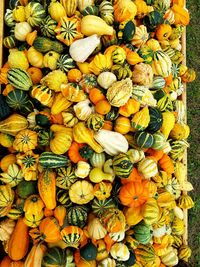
pixel 181 15
pixel 122 125
pixel 103 107
pixel 109 242
pixel 131 107
pixel 8 89
pixel 157 154
pixel 169 79
pixel 179 2
pixel 133 177
pixel 6 161
pixel 6 262
pixel 49 230
pixel 108 125
pixel 17 250
pixel 163 32
pixel 189 76
pixel 60 214
pixel 57 118
pixel 47 188
pixel 113 220
pixel 166 164
pixel 36 74
pixel 95 95
pixel 133 58
pixel 48 212
pixel 74 75
pixel 30 37
pixel 74 154
pixel 134 194
pixel 3 75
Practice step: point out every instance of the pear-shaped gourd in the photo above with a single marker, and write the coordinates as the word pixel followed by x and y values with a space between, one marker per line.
pixel 97 175
pixel 81 49
pixel 94 25
pixel 13 124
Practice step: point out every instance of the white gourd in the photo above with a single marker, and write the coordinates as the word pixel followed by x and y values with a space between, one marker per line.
pixel 81 49
pixel 82 170
pixel 118 236
pixel 178 213
pixel 159 232
pixel 120 252
pixel 6 229
pixel 83 109
pixel 96 229
pixel 21 30
pixel 108 262
pixel 106 79
pixel 112 142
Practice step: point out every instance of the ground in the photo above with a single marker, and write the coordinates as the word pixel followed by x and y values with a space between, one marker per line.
pixel 193 100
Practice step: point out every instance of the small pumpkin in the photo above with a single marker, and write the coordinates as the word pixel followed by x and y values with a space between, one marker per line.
pixel 21 30
pixel 124 10
pixel 25 140
pixel 49 230
pixel 81 192
pixel 83 109
pixel 163 32
pixel 72 235
pixel 113 220
pixel 56 10
pixel 33 205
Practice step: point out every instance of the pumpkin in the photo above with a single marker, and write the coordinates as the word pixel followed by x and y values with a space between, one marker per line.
pixel 72 235
pixel 122 125
pixel 188 76
pixel 120 252
pixel 33 205
pixel 47 27
pixel 35 13
pixel 74 75
pixel 113 220
pixel 96 95
pixel 81 192
pixel 35 74
pixel 17 250
pixel 6 228
pixel 25 140
pixel 163 32
pixel 95 229
pixel 103 107
pixel 65 177
pixel 49 230
pixel 68 30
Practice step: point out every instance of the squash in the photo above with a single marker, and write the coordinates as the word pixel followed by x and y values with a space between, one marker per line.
pixel 35 74
pixel 81 192
pixel 19 78
pixel 82 134
pixel 17 59
pixel 95 229
pixel 161 64
pixel 141 119
pixel 97 175
pixel 80 50
pixel 100 63
pixel 21 30
pixel 49 230
pixel 95 122
pixel 47 27
pixel 91 24
pixel 8 18
pixel 56 10
pixel 122 165
pixel 83 109
pixel 60 214
pixel 13 175
pixel 148 167
pixel 88 252
pixel 25 140
pixel 13 124
pixel 150 211
pixel 44 45
pixel 17 250
pixel 83 169
pixel 47 188
pixel 72 235
pixel 156 120
pixel 35 13
pixel 168 123
pixel 70 6
pixel 6 228
pixel 30 37
pixel 142 74
pixel 77 215
pixel 144 139
pixel 120 252
pixel 113 220
pixel 35 256
pixel 140 37
pixel 124 10
pixel 54 256
pixel 35 58
pixel 122 125
pixel 112 142
pixel 33 205
pixel 119 92
pixel 181 15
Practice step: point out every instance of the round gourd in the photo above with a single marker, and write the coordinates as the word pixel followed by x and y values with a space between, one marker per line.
pixel 90 10
pixel 65 63
pixel 72 235
pixel 153 19
pixel 100 206
pixel 10 41
pixel 95 122
pixel 148 167
pixel 77 215
pixel 98 159
pixel 81 192
pixel 19 78
pixel 122 71
pixel 122 165
pixel 26 188
pixel 146 53
pixel 65 177
pixel 113 220
pixel 144 139
pixel 54 256
pixel 156 120
pixel 48 26
pixel 120 252
pixel 142 233
pixel 159 141
pixel 89 252
pixel 35 13
pixel 122 125
pixel 158 83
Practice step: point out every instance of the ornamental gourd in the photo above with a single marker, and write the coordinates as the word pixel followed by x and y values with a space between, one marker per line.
pixel 56 10
pixel 148 167
pixel 35 58
pixel 95 229
pixel 72 235
pixel 122 165
pixel 120 252
pixel 6 228
pixel 113 220
pixel 124 10
pixel 81 192
pixel 77 215
pixel 49 230
pixel 142 74
pixel 83 109
pixel 21 30
pixel 140 37
pixel 141 119
pixel 161 64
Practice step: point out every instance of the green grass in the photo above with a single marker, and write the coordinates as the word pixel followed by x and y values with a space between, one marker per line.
pixel 193 100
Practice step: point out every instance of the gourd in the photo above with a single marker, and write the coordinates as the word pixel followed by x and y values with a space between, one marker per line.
pixel 60 104
pixel 10 41
pixel 83 109
pixel 100 63
pixel 106 79
pixel 88 252
pixel 6 228
pixel 47 27
pixel 150 211
pixel 88 82
pixel 25 140
pixel 8 18
pixel 56 10
pixel 35 13
pixel 120 252
pixel 33 220
pixel 70 6
pixel 65 177
pixel 140 37
pixel 50 60
pixel 97 175
pixel 43 94
pixel 21 30
pixel 54 256
pixel 168 123
pixel 68 30
pixel 44 45
pixel 159 141
pixel 51 160
pixel 13 124
pixel 181 15
pixel 81 192
pixel 170 257
pixel 17 59
pixel 35 58
pixel 91 24
pixel 19 78
pixel 148 167
pixel 4 108
pixel 26 188
pixel 118 55
pixel 124 10
pixel 112 142
pixel 95 229
pixel 80 50
pixel 141 119
pixel 161 64
pixel 142 74
pixel 122 165
pixel 122 71
pixel 12 176
pixel 54 79
pixel 82 134
pixel 113 220
pixel 72 235
pixel 35 256
pixel 17 250
pixel 100 206
pixel 73 92
pixel 163 32
pixel 77 215
pixel 144 139
pixel 97 160
pixel 107 262
pixel 49 230
pixel 95 122
pixel 83 169
pixel 145 253
pixel 82 4
pixel 65 63
pixel 47 188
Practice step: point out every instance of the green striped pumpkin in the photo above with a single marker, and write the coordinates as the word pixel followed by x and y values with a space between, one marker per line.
pixel 51 160
pixel 19 100
pixel 142 233
pixel 35 13
pixel 159 141
pixel 156 120
pixel 95 122
pixel 90 10
pixel 63 198
pixel 122 165
pixel 48 26
pixel 54 257
pixel 144 139
pixel 65 63
pixel 165 103
pixel 65 177
pixel 20 79
pixel 77 215
pixel 100 206
pixel 10 41
pixel 43 94
pixel 158 83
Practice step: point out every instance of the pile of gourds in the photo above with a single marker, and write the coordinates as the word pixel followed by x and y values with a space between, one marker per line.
pixel 93 134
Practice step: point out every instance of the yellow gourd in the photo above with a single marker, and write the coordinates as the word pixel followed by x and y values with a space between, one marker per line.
pixel 17 59
pixel 168 123
pixel 94 25
pixel 141 119
pixel 97 175
pixel 56 10
pixel 60 104
pixel 180 131
pixel 13 124
pixel 82 134
pixel 19 14
pixel 35 58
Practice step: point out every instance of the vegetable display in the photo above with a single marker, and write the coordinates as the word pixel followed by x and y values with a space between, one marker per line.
pixel 93 134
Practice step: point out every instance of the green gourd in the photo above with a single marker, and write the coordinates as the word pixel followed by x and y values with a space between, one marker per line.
pixel 51 160
pixel 156 120
pixel 89 252
pixel 26 188
pixel 54 257
pixel 19 78
pixel 122 165
pixel 44 45
pixel 10 41
pixel 100 206
pixel 77 215
pixel 5 110
pixel 48 26
pixel 144 139
pixel 142 233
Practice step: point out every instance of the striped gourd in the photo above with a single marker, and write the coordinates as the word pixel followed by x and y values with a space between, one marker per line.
pixel 14 214
pixel 175 70
pixel 44 45
pixel 169 51
pixel 90 10
pixel 54 256
pixel 13 124
pixel 159 141
pixel 165 103
pixel 150 211
pixel 158 83
pixel 43 94
pixel 8 18
pixel 6 195
pixel 144 139
pixel 35 13
pixel 106 7
pixel 95 122
pixel 178 241
pixel 71 235
pixel 98 160
pixel 48 26
pixel 180 109
pixel 148 167
pixel 145 253
pixel 155 120
pixel 70 6
pixel 77 215
pixel 13 3
pixel 138 92
pixel 10 41
pixel 175 85
pixel 51 160
pixel 63 198
pixel 161 64
pixel 19 100
pixel 122 165
pixel 100 206
pixel 65 63
pixel 178 148
pixel 142 233
pixel 146 53
pixel 161 6
pixel 19 78
pixel 65 177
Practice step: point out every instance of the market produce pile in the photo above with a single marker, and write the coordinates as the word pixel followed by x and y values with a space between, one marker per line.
pixel 93 133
